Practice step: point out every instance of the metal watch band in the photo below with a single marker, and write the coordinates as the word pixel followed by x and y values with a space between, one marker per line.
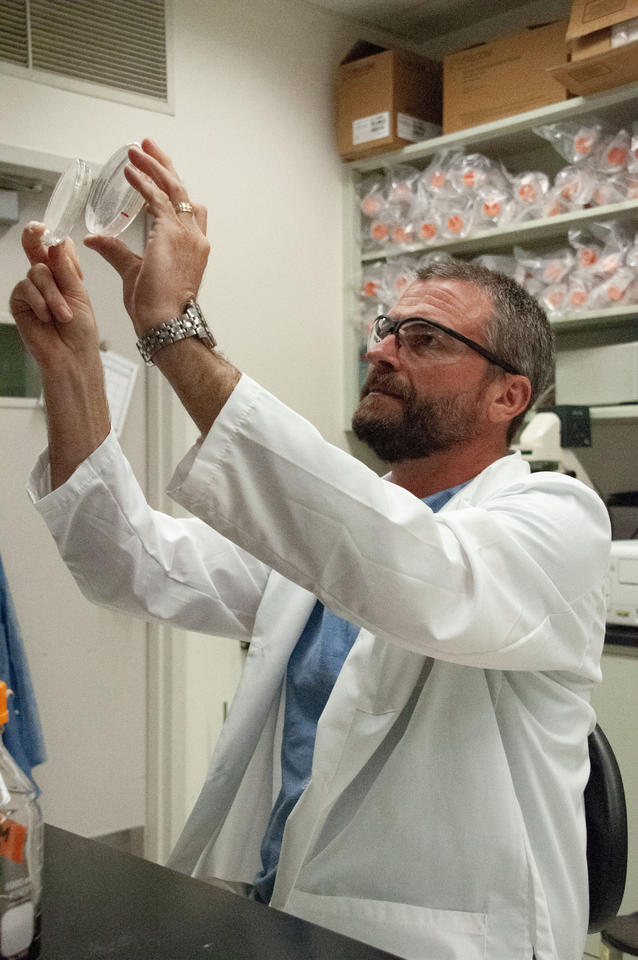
pixel 191 323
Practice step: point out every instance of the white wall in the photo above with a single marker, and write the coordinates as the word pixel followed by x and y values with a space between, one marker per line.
pixel 252 137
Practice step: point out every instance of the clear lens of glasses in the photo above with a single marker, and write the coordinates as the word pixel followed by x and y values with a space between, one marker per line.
pixel 67 202
pixel 113 203
pixel 109 202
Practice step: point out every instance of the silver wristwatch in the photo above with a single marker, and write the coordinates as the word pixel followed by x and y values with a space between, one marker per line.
pixel 191 323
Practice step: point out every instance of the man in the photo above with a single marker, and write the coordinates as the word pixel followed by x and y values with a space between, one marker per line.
pixel 405 758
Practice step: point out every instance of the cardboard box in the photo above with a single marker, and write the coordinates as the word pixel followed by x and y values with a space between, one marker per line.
pixel 600 72
pixel 385 98
pixel 582 48
pixel 597 61
pixel 588 16
pixel 602 41
pixel 504 77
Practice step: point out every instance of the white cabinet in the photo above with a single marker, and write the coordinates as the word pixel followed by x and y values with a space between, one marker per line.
pixel 513 142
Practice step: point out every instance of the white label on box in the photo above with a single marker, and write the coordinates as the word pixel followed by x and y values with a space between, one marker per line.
pixel 375 127
pixel 411 128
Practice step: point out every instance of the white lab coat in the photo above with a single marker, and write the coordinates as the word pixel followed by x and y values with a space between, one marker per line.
pixel 444 817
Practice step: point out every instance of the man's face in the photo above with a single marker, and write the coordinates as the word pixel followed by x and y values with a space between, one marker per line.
pixel 413 407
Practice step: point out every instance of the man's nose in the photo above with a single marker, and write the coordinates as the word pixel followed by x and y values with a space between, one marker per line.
pixel 384 351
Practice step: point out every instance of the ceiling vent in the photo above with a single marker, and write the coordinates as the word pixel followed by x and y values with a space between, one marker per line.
pixel 119 44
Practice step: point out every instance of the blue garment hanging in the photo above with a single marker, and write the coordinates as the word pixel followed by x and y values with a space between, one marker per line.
pixel 23 734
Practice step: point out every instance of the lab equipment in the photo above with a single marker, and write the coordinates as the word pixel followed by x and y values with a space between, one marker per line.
pixel 621 590
pixel 67 202
pixel 598 375
pixel 547 441
pixel 109 202
pixel 20 856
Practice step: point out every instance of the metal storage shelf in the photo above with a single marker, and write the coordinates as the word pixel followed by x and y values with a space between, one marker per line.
pixel 513 141
pixel 530 231
pixel 514 136
pixel 586 319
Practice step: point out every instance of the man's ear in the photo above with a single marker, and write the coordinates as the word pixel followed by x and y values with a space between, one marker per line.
pixel 509 396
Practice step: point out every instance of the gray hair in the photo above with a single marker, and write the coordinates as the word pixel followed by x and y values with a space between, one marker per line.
pixel 517 329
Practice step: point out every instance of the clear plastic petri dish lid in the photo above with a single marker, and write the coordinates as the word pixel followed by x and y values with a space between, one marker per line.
pixel 113 203
pixel 67 202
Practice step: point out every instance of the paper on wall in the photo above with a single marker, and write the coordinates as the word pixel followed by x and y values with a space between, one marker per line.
pixel 119 376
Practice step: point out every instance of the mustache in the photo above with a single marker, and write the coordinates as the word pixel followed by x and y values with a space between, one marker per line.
pixel 386 383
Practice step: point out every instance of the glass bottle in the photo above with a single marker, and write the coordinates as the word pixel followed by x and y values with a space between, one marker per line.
pixel 20 856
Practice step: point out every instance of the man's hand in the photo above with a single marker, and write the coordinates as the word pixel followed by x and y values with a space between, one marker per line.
pixel 158 285
pixel 51 307
pixel 55 319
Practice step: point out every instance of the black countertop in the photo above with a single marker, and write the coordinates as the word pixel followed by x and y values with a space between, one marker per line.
pixel 101 904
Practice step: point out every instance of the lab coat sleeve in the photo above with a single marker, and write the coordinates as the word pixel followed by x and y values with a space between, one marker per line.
pixel 510 581
pixel 124 554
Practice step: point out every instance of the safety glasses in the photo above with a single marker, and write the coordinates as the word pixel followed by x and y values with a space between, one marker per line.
pixel 428 340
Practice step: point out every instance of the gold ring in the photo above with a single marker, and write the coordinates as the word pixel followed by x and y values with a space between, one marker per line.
pixel 183 207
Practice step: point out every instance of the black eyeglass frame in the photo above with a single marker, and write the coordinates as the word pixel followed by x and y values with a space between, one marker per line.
pixel 395 326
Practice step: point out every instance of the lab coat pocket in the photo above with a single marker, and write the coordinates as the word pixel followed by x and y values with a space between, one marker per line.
pixel 400 928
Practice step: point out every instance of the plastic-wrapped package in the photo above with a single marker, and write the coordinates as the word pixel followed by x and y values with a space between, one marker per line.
pixel 613 289
pixel 632 159
pixel 493 207
pixel 579 287
pixel 401 229
pixel 631 182
pixel 574 140
pixel 371 195
pixel 576 184
pixel 612 153
pixel 469 172
pixel 372 281
pixel 377 229
pixel 528 192
pixel 401 184
pixel 588 250
pixel 554 203
pixel 399 272
pixel 457 217
pixel 426 222
pixel 534 287
pixel 617 239
pixel 553 298
pixel 612 189
pixel 548 268
pixel 435 180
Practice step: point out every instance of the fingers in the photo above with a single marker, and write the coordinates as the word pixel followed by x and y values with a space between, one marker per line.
pixel 36 251
pixel 40 292
pixel 32 242
pixel 201 216
pixel 151 148
pixel 73 254
pixel 161 172
pixel 114 252
pixel 157 166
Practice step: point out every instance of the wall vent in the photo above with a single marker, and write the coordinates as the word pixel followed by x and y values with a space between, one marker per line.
pixel 120 44
pixel 13 32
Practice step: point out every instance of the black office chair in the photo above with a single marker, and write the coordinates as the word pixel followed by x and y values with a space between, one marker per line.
pixel 606 818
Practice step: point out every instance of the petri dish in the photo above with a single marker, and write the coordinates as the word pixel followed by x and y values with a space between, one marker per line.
pixel 67 202
pixel 113 203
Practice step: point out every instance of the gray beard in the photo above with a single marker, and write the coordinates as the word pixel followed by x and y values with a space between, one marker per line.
pixel 419 429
